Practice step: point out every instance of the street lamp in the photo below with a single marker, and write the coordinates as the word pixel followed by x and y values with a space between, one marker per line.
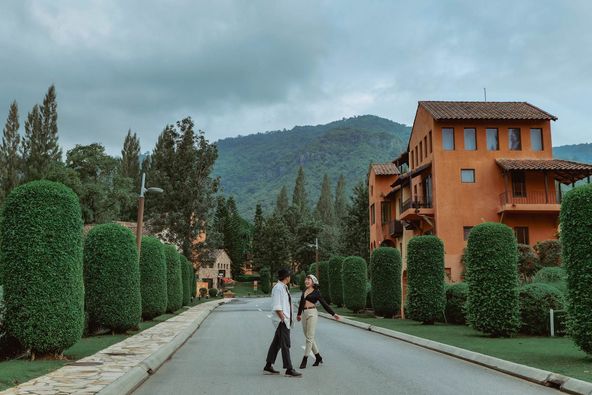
pixel 140 224
pixel 316 246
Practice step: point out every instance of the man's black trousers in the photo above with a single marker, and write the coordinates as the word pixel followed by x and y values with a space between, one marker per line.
pixel 281 340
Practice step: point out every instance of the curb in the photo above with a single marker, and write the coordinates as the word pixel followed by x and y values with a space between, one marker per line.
pixel 134 377
pixel 538 376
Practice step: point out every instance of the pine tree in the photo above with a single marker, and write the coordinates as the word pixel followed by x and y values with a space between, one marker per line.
pixel 49 125
pixel 282 202
pixel 355 232
pixel 258 235
pixel 9 152
pixel 340 201
pixel 324 209
pixel 233 237
pixel 130 158
pixel 300 197
pixel 145 167
pixel 275 243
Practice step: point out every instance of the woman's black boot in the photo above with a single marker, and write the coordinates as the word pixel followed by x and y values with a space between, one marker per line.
pixel 318 360
pixel 303 363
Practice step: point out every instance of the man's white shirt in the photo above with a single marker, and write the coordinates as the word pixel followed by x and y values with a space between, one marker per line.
pixel 280 301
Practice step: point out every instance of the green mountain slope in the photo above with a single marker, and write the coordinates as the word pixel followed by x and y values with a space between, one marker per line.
pixel 575 152
pixel 253 168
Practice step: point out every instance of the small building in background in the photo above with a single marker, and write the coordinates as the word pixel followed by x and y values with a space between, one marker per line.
pixel 217 271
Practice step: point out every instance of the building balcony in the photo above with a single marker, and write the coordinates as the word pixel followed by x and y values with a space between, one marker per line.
pixel 532 202
pixel 416 207
pixel 396 228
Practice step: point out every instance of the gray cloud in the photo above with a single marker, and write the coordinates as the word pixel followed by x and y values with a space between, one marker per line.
pixel 247 66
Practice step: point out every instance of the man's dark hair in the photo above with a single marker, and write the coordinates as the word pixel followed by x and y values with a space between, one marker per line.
pixel 283 273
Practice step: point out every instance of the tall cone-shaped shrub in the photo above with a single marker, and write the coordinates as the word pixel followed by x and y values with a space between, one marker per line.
pixel 386 281
pixel 324 282
pixel 336 280
pixel 112 278
pixel 576 249
pixel 41 240
pixel 492 276
pixel 153 280
pixel 355 278
pixel 174 279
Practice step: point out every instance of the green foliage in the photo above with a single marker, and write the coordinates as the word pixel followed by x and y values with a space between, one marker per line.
pixel 282 203
pixel 242 278
pixel 203 292
pixel 425 278
pixel 255 167
pixel 41 239
pixel 576 247
pixel 237 237
pixel 549 252
pixel 275 240
pixel 492 276
pixel 535 302
pixel 386 281
pixel 340 206
pixel 368 295
pixel 301 279
pixel 258 238
pixel 325 210
pixel 265 280
pixel 528 262
pixel 153 283
pixel 112 278
pixel 10 159
pixel 213 292
pixel 356 227
pixel 324 281
pixel 555 276
pixel 336 280
pixel 354 276
pixel 174 279
pixel 130 168
pixel 186 276
pixel 300 196
pixel 456 300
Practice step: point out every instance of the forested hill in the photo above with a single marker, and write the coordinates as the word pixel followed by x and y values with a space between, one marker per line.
pixel 575 152
pixel 253 168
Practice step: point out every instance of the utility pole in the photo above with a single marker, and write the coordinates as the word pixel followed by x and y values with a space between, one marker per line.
pixel 317 256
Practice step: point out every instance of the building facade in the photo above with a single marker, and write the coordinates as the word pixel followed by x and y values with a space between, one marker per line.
pixel 215 273
pixel 474 162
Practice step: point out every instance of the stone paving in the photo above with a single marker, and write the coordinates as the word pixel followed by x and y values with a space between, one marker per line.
pixel 92 374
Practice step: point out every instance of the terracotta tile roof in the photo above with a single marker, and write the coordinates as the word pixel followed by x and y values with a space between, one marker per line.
pixel 564 171
pixel 385 169
pixel 444 110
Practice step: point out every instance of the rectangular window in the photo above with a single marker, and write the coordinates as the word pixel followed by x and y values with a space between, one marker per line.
pixel 514 139
pixel 420 151
pixel 416 157
pixel 430 141
pixel 470 139
pixel 536 139
pixel 467 176
pixel 372 215
pixel 448 139
pixel 466 231
pixel 411 161
pixel 518 184
pixel 521 234
pixel 385 212
pixel 425 146
pixel 492 139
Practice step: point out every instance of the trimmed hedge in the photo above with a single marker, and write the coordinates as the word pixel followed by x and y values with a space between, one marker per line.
pixel 355 276
pixel 265 274
pixel 492 276
pixel 368 295
pixel 186 269
pixel 555 276
pixel 41 240
pixel 549 252
pixel 425 278
pixel 324 281
pixel 213 292
pixel 386 281
pixel 193 283
pixel 335 280
pixel 174 279
pixel 153 282
pixel 112 278
pixel 242 278
pixel 528 262
pixel 535 302
pixel 576 249
pixel 456 300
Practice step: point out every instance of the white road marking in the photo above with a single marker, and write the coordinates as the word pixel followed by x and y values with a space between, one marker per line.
pixel 259 309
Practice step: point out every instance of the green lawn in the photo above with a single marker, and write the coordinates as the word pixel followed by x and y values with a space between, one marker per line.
pixel 244 289
pixel 555 354
pixel 17 371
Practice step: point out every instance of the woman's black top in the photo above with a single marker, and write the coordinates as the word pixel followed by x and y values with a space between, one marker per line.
pixel 314 297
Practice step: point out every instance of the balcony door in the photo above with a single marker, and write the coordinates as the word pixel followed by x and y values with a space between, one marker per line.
pixel 427 191
pixel 518 184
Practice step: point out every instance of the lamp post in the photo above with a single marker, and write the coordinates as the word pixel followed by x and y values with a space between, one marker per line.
pixel 140 224
pixel 316 246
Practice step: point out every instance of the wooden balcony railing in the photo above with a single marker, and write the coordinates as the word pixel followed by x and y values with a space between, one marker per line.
pixel 530 198
pixel 417 202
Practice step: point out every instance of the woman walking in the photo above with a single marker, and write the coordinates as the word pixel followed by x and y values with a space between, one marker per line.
pixel 307 313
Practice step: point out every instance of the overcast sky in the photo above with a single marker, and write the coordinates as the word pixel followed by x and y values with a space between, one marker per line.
pixel 239 67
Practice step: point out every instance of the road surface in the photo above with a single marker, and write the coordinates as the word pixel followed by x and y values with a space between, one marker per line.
pixel 227 354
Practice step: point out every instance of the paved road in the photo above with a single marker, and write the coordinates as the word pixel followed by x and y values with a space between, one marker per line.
pixel 227 354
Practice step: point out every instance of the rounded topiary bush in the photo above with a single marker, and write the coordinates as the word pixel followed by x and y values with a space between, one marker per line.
pixel 576 249
pixel 456 300
pixel 386 281
pixel 174 279
pixel 265 275
pixel 41 240
pixel 549 252
pixel 324 282
pixel 112 278
pixel 203 292
pixel 555 276
pixel 354 276
pixel 528 262
pixel 153 281
pixel 186 269
pixel 335 280
pixel 492 276
pixel 213 292
pixel 425 278
pixel 535 302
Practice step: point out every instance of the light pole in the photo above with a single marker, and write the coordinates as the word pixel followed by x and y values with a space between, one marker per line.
pixel 140 224
pixel 316 246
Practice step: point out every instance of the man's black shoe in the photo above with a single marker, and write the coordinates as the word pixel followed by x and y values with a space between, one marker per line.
pixel 270 369
pixel 293 373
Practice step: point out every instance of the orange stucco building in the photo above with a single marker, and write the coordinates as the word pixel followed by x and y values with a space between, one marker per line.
pixel 468 163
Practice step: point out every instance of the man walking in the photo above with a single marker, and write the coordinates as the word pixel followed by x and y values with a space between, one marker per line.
pixel 281 306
